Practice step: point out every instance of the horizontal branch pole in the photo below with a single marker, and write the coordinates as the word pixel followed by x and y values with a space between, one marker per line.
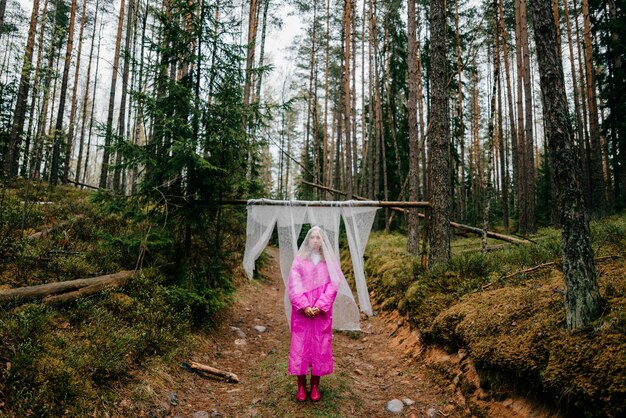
pixel 323 203
pixel 455 225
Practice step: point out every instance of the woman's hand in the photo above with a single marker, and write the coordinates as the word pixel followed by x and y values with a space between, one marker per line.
pixel 312 312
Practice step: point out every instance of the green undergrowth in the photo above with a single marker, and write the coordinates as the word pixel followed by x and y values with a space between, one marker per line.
pixel 78 357
pixel 513 322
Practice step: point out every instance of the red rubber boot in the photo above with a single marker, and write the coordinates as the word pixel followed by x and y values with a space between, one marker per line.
pixel 315 393
pixel 301 395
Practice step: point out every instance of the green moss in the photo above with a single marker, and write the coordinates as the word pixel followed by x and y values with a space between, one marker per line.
pixel 513 325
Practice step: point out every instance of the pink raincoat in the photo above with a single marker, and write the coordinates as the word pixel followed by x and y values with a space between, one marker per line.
pixel 311 338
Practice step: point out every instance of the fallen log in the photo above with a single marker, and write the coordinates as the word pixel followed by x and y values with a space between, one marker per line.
pixel 43 290
pixel 230 377
pixel 87 290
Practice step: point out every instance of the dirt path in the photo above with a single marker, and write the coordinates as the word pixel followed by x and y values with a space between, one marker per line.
pixel 371 370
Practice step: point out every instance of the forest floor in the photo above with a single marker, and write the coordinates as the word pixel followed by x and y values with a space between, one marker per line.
pixel 385 362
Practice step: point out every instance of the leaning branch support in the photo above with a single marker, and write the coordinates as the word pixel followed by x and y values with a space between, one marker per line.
pixel 56 292
pixel 397 207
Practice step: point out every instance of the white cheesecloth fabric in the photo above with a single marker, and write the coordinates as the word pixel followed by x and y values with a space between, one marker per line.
pixel 289 217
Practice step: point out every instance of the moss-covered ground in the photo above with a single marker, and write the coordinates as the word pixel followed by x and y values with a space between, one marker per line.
pixel 512 322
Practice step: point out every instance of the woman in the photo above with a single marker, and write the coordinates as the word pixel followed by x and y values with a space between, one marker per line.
pixel 312 292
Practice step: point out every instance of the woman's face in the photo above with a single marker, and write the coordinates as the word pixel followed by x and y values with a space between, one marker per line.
pixel 315 241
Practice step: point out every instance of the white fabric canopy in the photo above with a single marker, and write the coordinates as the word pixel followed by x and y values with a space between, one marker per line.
pixel 289 216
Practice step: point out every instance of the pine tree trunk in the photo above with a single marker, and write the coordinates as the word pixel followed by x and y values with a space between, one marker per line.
pixel 582 297
pixel 355 148
pixel 372 133
pixel 104 172
pixel 11 159
pixel 124 94
pixel 364 130
pixel 81 141
pixel 521 137
pixel 251 49
pixel 475 166
pixel 93 104
pixel 598 188
pixel 327 162
pixel 70 130
pixel 439 138
pixel 413 226
pixel 31 133
pixel 3 5
pixel 58 129
pixel 620 130
pixel 491 136
pixel 509 91
pixel 555 13
pixel 585 146
pixel 504 179
pixel 346 94
pixel 310 118
pixel 529 174
pixel 579 122
pixel 462 189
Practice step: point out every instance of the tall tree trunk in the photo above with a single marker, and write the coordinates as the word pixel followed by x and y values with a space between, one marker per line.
pixel 619 133
pixel 557 25
pixel 355 148
pixel 104 172
pixel 413 232
pixel 251 49
pixel 70 129
pixel 529 174
pixel 125 71
pixel 585 145
pixel 459 66
pixel 19 115
pixel 93 104
pixel 81 141
pixel 327 162
pixel 521 134
pixel 491 136
pixel 439 138
pixel 579 122
pixel 582 297
pixel 598 187
pixel 3 5
pixel 347 11
pixel 364 130
pixel 31 133
pixel 504 179
pixel 509 93
pixel 58 129
pixel 476 170
pixel 310 103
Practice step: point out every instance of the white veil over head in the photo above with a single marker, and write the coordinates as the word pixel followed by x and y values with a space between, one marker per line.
pixel 345 311
pixel 316 243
